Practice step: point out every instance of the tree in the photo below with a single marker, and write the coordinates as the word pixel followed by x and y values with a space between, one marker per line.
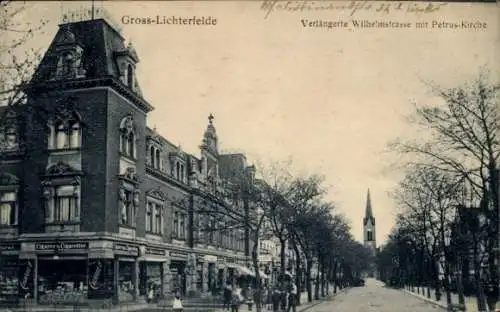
pixel 464 143
pixel 17 62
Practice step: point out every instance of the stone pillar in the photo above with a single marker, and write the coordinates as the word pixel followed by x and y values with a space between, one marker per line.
pixel 167 277
pixel 205 277
pixel 224 276
pixel 136 280
pixel 116 279
pixel 190 271
pixel 35 279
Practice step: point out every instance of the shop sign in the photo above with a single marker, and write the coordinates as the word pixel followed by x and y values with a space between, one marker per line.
pixel 61 246
pixel 210 258
pixel 178 255
pixel 155 251
pixel 9 247
pixel 126 249
pixel 26 276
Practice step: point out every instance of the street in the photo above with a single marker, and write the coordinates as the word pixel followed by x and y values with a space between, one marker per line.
pixel 374 297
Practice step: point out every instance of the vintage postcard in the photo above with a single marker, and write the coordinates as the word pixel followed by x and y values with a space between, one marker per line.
pixel 249 155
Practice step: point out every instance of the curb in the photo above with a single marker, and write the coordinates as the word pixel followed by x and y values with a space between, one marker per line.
pixel 440 305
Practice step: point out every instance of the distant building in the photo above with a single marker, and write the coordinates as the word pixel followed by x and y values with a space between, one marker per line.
pixel 369 238
pixel 95 206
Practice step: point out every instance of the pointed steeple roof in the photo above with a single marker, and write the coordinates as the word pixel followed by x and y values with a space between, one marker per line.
pixel 368 209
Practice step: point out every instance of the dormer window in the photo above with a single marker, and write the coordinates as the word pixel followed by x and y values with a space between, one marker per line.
pixel 67 64
pixel 154 156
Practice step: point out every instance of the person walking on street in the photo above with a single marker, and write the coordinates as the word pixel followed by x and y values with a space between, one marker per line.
pixel 236 299
pixel 292 298
pixel 227 296
pixel 177 306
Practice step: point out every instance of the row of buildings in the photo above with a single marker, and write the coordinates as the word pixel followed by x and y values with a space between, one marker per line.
pixel 95 205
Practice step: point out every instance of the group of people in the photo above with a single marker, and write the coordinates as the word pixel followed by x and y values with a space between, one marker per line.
pixel 282 297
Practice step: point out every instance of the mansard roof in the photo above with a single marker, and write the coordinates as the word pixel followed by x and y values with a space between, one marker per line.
pixel 98 40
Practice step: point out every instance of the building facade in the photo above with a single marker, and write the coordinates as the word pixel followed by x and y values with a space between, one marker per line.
pixel 96 206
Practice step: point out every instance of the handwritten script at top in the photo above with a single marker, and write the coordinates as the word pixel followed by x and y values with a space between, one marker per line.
pixel 352 7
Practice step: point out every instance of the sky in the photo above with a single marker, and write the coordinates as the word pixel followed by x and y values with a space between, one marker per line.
pixel 330 99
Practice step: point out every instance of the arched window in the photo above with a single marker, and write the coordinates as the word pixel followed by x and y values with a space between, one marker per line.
pixel 369 235
pixel 178 170
pixel 127 137
pixel 61 136
pixel 130 75
pixel 75 135
pixel 157 159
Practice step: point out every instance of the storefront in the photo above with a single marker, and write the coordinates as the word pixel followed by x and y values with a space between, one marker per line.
pixel 9 280
pixel 127 271
pixel 62 281
pixel 178 272
pixel 151 272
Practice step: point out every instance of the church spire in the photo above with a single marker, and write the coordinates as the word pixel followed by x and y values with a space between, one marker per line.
pixel 368 209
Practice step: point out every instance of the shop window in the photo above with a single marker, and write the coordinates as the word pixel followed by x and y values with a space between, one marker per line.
pixel 62 281
pixel 8 208
pixel 126 281
pixel 151 278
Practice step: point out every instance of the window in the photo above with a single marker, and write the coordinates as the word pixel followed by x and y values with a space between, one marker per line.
pixel 369 235
pixel 128 208
pixel 130 75
pixel 62 201
pixel 178 170
pixel 182 226
pixel 67 134
pixel 157 159
pixel 149 217
pixel 152 156
pixel 64 204
pixel 8 204
pixel 10 138
pixel 67 62
pixel 158 219
pixel 154 222
pixel 127 137
pixel 176 224
pixel 182 173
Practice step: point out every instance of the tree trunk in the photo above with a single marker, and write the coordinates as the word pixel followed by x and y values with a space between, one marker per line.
pixel 282 258
pixel 308 280
pixel 258 287
pixel 335 278
pixel 316 287
pixel 481 300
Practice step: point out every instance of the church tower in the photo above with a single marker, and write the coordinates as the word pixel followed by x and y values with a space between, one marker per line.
pixel 369 239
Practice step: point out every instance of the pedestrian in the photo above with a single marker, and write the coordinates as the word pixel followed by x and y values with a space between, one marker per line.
pixel 276 298
pixel 151 294
pixel 227 296
pixel 177 306
pixel 236 299
pixel 292 298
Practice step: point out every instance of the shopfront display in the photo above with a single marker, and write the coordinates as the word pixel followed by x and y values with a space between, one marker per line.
pixel 62 281
pixel 150 278
pixel 126 288
pixel 100 278
pixel 178 276
pixel 26 272
pixel 9 280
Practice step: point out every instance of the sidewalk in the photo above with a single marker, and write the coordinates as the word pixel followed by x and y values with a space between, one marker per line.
pixel 304 305
pixel 470 302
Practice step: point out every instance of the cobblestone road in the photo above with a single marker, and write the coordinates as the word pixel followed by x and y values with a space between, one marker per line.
pixel 374 297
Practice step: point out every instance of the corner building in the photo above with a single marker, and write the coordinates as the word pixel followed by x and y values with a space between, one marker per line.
pixel 95 206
